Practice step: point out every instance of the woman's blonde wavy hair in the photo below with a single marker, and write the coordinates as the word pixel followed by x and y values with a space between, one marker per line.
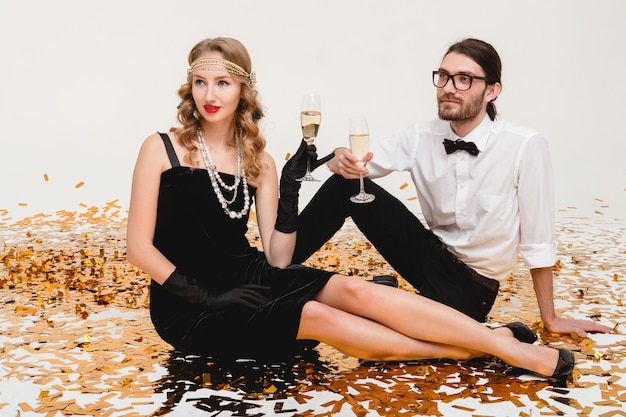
pixel 248 112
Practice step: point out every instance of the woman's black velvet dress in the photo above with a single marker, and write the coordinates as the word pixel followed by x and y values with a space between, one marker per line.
pixel 195 234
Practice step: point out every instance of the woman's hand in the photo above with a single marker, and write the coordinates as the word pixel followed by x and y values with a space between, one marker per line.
pixel 287 216
pixel 295 167
pixel 249 296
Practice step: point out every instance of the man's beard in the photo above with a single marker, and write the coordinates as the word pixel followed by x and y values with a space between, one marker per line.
pixel 469 110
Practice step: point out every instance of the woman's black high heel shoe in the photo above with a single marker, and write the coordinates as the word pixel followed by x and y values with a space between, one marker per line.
pixel 565 365
pixel 388 280
pixel 522 332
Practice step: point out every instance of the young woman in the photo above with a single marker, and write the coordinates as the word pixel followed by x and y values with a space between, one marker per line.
pixel 212 293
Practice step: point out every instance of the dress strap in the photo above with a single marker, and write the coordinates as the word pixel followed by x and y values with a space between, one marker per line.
pixel 170 150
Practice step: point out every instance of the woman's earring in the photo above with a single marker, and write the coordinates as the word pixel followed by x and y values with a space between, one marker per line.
pixel 257 114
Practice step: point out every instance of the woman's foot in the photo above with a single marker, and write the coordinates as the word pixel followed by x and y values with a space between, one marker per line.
pixel 556 364
pixel 520 331
pixel 388 280
pixel 565 365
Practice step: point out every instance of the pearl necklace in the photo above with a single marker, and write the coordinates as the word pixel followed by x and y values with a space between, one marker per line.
pixel 217 182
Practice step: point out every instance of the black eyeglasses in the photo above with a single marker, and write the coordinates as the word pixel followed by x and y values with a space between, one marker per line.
pixel 461 82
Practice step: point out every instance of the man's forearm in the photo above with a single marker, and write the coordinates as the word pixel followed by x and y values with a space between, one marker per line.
pixel 542 283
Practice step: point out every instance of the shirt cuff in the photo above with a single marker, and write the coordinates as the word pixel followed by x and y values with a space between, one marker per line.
pixel 539 255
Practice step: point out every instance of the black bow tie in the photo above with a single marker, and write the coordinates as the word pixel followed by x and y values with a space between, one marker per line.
pixel 454 145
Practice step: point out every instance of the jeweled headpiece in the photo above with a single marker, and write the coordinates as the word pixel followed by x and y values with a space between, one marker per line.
pixel 208 64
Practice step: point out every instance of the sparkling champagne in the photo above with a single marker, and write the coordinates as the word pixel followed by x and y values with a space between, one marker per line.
pixel 359 145
pixel 310 121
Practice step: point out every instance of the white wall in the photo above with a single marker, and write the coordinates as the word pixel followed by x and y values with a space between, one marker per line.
pixel 82 83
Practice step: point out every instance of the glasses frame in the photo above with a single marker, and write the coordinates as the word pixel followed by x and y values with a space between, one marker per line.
pixel 452 76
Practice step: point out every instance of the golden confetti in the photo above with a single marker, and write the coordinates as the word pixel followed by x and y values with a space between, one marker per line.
pixel 403 186
pixel 63 282
pixel 206 378
pixel 80 184
pixel 270 390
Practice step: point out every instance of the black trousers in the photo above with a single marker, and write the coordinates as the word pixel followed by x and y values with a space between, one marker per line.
pixel 416 253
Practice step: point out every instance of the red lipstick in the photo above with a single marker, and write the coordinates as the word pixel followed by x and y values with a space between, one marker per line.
pixel 211 109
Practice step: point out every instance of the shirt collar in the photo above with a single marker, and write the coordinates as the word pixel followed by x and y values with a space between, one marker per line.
pixel 479 135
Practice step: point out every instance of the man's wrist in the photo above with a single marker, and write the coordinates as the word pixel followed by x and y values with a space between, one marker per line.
pixel 548 319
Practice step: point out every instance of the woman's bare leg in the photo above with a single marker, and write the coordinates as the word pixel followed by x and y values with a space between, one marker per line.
pixel 365 339
pixel 420 318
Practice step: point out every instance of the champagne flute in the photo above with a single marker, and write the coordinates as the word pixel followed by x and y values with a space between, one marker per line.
pixel 359 145
pixel 310 118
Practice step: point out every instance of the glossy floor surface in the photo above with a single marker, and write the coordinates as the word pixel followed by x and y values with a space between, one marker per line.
pixel 76 338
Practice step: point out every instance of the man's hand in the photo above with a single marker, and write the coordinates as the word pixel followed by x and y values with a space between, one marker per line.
pixel 347 165
pixel 543 284
pixel 580 327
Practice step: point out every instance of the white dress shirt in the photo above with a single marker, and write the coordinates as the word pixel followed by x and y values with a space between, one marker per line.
pixel 488 209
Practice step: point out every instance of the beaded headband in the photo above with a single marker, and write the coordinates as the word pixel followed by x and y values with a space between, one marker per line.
pixel 231 67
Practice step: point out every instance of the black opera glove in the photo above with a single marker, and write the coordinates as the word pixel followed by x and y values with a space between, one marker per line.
pixel 295 167
pixel 247 296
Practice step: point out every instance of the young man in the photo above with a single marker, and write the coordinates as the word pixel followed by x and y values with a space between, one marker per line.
pixel 485 188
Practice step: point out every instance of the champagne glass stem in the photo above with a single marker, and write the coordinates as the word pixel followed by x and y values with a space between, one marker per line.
pixel 359 145
pixel 362 189
pixel 307 175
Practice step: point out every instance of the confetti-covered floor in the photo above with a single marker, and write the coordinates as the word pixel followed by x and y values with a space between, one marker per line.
pixel 76 338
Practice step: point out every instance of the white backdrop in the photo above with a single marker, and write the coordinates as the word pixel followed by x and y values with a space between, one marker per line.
pixel 82 83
